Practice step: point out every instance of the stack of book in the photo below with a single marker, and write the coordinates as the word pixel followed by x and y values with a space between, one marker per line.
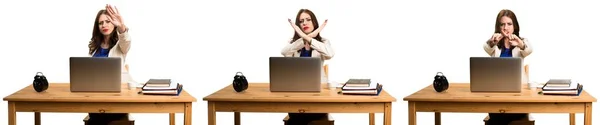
pixel 361 87
pixel 562 87
pixel 161 87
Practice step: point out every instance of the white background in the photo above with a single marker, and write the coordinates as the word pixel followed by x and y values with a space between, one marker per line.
pixel 202 43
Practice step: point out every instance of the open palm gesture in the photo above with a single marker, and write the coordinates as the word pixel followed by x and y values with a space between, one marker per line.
pixel 115 18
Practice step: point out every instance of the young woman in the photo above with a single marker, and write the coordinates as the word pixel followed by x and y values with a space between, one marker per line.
pixel 506 42
pixel 307 42
pixel 109 39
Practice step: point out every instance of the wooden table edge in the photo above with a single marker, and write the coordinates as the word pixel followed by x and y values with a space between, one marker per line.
pixel 254 100
pixel 524 101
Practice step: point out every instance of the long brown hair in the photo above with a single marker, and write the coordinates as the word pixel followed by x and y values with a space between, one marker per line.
pixel 98 38
pixel 510 14
pixel 314 22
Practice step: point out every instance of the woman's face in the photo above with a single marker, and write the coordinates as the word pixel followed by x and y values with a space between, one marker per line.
pixel 506 26
pixel 306 23
pixel 105 26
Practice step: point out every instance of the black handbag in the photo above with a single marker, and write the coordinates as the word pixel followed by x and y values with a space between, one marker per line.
pixel 40 83
pixel 240 83
pixel 440 83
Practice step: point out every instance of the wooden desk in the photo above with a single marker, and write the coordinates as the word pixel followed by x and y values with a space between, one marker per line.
pixel 58 98
pixel 459 98
pixel 258 98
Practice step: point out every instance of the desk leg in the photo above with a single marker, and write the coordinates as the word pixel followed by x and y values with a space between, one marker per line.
pixel 572 118
pixel 212 114
pixel 587 119
pixel 38 120
pixel 412 113
pixel 438 118
pixel 12 114
pixel 236 116
pixel 387 113
pixel 171 118
pixel 371 118
pixel 187 115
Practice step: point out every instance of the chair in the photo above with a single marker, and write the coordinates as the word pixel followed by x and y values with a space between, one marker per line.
pixel 325 121
pixel 128 121
pixel 525 121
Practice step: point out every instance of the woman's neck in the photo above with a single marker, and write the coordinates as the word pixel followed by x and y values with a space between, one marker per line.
pixel 506 43
pixel 106 43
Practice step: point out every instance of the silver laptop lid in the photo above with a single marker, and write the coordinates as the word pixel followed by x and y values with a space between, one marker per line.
pixel 295 74
pixel 95 74
pixel 495 74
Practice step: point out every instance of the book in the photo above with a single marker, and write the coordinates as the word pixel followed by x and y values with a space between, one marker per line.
pixel 358 82
pixel 559 82
pixel 176 91
pixel 375 91
pixel 575 92
pixel 362 92
pixel 371 86
pixel 158 82
pixel 570 86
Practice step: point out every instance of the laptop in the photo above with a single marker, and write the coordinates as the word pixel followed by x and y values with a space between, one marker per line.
pixel 295 74
pixel 95 74
pixel 495 74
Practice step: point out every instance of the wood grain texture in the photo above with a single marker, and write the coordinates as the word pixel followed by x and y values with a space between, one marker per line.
pixel 59 98
pixel 297 107
pixel 387 114
pixel 412 113
pixel 259 92
pixel 187 116
pixel 171 118
pixel 212 114
pixel 571 118
pixel 496 107
pixel 60 92
pixel 587 118
pixel 12 114
pixel 460 92
pixel 98 107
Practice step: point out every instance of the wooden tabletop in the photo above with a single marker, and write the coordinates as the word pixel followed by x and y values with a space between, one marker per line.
pixel 259 92
pixel 460 92
pixel 60 92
